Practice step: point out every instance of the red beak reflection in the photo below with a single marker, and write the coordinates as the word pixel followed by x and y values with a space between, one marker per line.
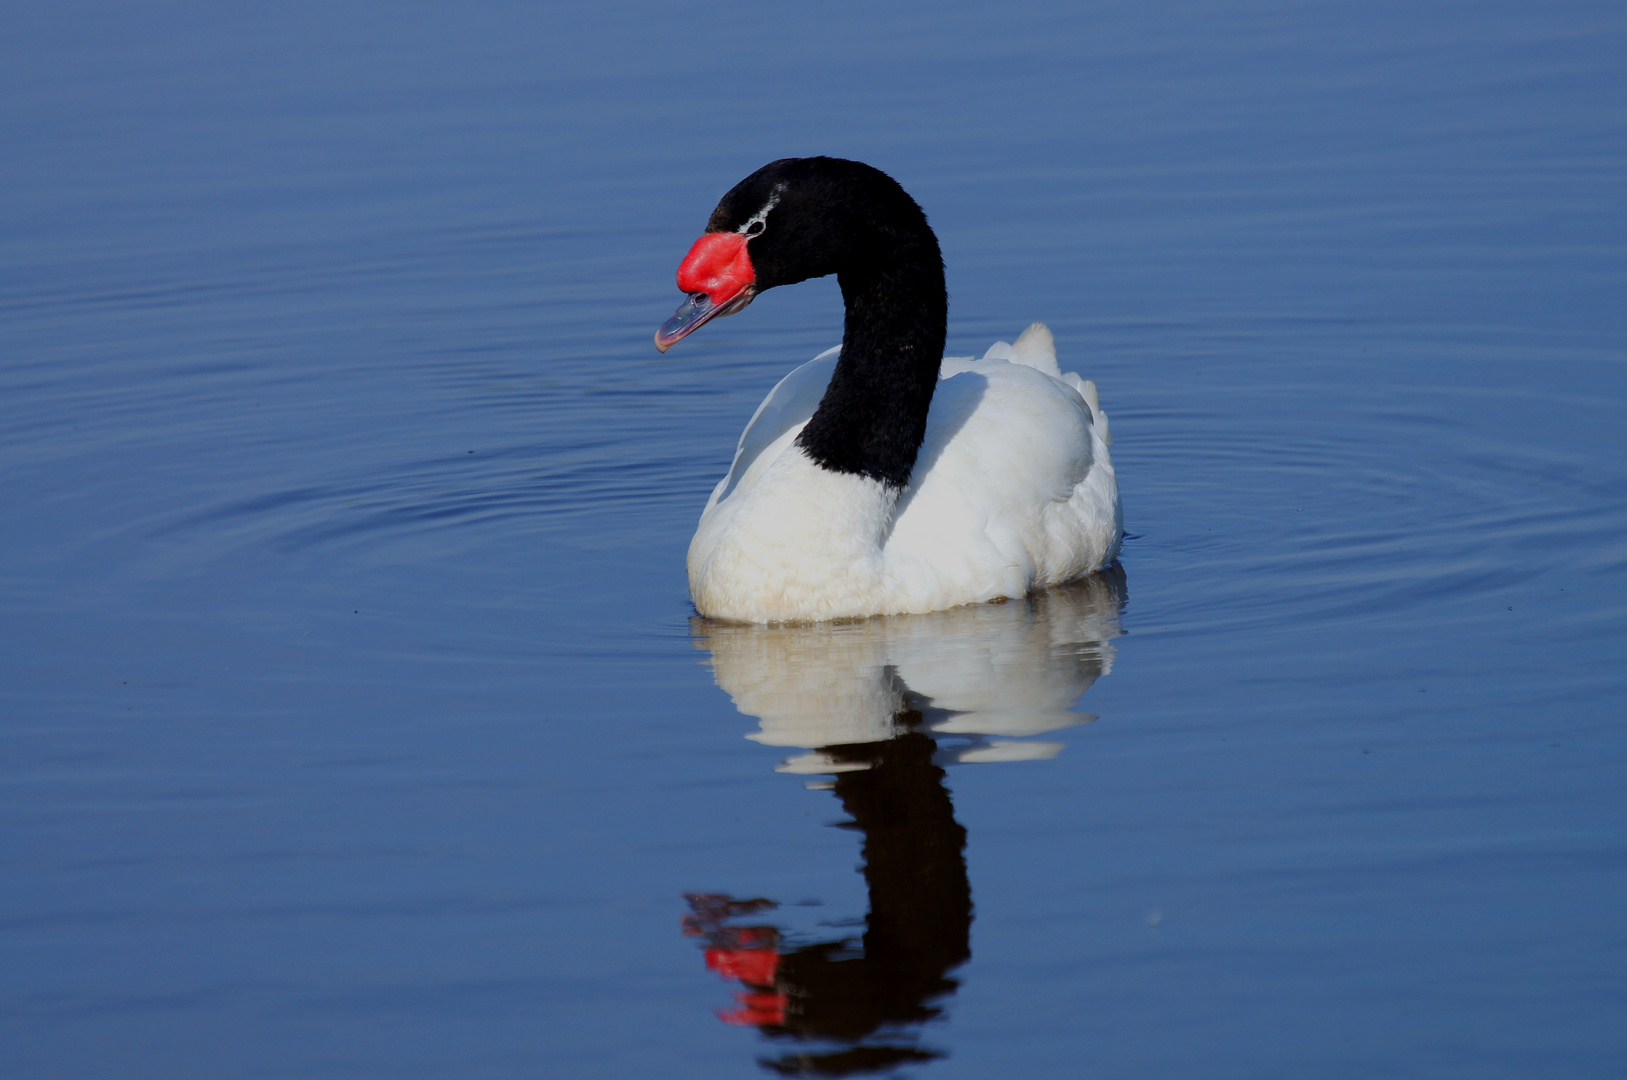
pixel 855 1004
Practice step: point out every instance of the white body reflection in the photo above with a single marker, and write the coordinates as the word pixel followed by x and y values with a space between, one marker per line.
pixel 994 674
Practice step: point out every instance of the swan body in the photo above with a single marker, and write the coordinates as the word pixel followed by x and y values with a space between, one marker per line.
pixel 1013 490
pixel 873 479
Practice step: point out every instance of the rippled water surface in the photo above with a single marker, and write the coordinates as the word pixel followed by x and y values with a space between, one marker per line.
pixel 356 720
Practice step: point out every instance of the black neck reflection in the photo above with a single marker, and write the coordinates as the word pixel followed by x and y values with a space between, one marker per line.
pixel 865 1000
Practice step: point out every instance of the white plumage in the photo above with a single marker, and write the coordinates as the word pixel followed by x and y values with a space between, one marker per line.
pixel 1013 489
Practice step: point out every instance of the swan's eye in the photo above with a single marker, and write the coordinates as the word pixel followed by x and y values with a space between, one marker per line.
pixel 758 222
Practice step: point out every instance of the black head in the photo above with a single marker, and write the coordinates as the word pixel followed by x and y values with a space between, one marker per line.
pixel 801 218
pixel 808 217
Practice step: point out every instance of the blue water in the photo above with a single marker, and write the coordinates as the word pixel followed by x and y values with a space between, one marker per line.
pixel 356 721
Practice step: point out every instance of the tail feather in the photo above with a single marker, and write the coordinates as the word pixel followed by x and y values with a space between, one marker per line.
pixel 1037 349
pixel 1089 392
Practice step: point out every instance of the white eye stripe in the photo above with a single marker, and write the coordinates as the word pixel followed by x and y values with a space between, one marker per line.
pixel 761 216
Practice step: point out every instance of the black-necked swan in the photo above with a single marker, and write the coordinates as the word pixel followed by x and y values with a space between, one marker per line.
pixel 877 478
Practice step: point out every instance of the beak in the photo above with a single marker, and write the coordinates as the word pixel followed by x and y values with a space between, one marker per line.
pixel 696 310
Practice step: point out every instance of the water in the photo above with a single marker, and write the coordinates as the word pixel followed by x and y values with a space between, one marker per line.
pixel 356 722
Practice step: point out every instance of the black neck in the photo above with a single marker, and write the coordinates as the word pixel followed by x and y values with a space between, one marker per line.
pixel 873 415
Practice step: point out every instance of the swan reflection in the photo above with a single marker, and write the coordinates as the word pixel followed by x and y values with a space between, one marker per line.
pixel 883 705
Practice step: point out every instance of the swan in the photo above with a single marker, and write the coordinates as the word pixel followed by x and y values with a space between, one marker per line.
pixel 878 478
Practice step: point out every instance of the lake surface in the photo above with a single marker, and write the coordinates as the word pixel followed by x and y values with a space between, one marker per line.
pixel 356 720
